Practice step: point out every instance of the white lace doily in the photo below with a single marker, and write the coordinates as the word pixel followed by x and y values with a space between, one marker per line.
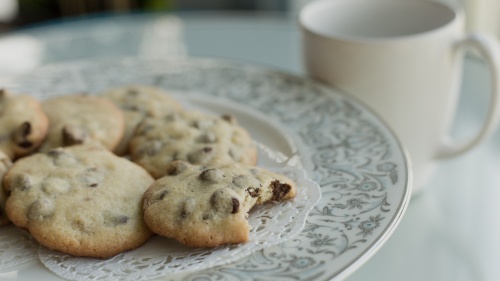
pixel 16 247
pixel 272 223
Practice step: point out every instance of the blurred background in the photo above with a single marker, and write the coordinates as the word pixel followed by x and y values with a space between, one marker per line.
pixel 482 14
pixel 39 32
pixel 18 13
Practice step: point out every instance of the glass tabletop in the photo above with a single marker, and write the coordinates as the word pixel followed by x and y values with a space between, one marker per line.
pixel 268 38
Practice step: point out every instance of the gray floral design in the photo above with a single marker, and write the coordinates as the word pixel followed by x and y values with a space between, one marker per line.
pixel 356 160
pixel 369 225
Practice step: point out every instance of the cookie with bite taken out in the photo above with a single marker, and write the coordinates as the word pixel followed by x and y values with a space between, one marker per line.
pixel 206 206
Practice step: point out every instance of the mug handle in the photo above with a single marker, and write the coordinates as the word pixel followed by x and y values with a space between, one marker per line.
pixel 489 49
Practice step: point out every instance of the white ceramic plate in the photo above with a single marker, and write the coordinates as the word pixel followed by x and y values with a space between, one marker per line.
pixel 358 162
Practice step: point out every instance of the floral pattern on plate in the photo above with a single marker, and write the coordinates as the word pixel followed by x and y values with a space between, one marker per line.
pixel 357 161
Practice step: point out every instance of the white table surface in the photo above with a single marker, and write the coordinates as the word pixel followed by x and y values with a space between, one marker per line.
pixel 449 232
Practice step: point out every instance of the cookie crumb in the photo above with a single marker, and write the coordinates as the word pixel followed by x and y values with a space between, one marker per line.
pixel 253 192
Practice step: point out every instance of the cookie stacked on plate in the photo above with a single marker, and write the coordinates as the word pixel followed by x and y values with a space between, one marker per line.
pixel 96 175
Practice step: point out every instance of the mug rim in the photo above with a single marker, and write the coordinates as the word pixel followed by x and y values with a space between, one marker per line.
pixel 458 18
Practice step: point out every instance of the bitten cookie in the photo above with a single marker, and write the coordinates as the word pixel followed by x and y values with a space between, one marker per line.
pixel 5 164
pixel 75 119
pixel 23 124
pixel 81 200
pixel 208 207
pixel 196 137
pixel 137 103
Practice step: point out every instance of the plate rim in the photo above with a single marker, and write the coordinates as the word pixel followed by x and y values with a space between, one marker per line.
pixel 383 237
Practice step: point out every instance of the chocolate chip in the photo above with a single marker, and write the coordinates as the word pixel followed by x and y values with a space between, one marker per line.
pixel 236 205
pixel 3 93
pixel 229 118
pixel 143 128
pixel 21 134
pixel 187 207
pixel 206 216
pixel 240 181
pixel 253 192
pixel 217 198
pixel 163 194
pixel 183 214
pixel 23 182
pixel 172 117
pixel 62 158
pixel 54 153
pixel 54 185
pixel 130 107
pixel 246 181
pixel 176 167
pixel 40 209
pixel 200 156
pixel 92 177
pixel 26 128
pixel 211 175
pixel 25 144
pixel 203 124
pixel 113 220
pixel 207 138
pixel 122 220
pixel 279 190
pixel 222 202
pixel 72 135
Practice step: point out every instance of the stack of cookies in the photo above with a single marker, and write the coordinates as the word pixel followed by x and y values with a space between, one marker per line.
pixel 96 175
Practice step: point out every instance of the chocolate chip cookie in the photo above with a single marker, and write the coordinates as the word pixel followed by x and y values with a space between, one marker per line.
pixel 76 119
pixel 196 137
pixel 139 102
pixel 207 207
pixel 23 124
pixel 5 164
pixel 81 200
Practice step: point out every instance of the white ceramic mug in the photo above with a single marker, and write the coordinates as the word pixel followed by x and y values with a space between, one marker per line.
pixel 403 58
